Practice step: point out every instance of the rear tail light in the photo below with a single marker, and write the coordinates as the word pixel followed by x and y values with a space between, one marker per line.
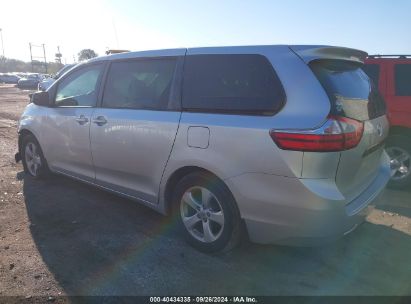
pixel 336 134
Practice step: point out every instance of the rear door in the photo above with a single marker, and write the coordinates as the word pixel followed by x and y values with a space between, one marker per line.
pixel 353 95
pixel 133 132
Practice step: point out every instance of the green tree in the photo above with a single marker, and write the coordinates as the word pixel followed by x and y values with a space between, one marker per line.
pixel 86 54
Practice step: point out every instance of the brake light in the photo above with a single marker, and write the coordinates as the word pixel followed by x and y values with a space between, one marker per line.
pixel 336 134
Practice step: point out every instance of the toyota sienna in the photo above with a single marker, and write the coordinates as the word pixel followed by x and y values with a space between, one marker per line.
pixel 286 142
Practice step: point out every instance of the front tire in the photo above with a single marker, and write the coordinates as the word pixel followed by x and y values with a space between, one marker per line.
pixel 33 159
pixel 207 213
pixel 399 149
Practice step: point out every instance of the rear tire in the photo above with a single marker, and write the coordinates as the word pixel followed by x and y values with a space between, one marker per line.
pixel 399 147
pixel 33 159
pixel 207 213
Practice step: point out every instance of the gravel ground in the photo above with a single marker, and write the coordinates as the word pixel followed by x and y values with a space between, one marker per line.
pixel 61 237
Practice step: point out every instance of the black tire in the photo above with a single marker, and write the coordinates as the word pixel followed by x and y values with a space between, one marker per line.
pixel 403 143
pixel 230 232
pixel 43 170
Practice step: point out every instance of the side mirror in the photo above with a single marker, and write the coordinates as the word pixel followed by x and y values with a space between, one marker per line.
pixel 40 99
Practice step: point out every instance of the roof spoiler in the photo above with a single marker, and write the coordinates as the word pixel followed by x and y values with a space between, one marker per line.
pixel 309 53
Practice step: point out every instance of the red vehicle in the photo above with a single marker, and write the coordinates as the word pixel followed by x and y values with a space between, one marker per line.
pixel 392 75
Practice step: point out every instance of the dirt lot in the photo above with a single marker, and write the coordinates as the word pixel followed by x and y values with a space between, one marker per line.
pixel 61 237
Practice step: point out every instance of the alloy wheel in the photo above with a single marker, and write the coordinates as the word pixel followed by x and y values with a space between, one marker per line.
pixel 402 158
pixel 202 214
pixel 33 159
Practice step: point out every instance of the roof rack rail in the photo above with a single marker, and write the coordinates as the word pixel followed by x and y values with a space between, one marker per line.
pixel 389 56
pixel 109 52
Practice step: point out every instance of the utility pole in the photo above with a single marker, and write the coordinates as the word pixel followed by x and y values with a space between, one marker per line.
pixel 2 45
pixel 58 55
pixel 45 60
pixel 37 60
pixel 31 57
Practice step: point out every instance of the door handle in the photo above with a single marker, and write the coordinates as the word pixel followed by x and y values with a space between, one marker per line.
pixel 100 120
pixel 82 119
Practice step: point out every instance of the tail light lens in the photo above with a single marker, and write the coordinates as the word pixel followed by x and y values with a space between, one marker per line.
pixel 336 134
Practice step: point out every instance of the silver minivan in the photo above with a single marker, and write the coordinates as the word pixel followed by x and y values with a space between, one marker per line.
pixel 283 143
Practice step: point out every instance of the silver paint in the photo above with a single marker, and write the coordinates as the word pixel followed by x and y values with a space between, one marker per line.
pixel 283 196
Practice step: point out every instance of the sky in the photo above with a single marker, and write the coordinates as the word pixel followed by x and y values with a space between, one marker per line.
pixel 375 26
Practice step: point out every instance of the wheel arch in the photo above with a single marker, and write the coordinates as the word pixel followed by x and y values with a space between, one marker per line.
pixel 23 133
pixel 177 175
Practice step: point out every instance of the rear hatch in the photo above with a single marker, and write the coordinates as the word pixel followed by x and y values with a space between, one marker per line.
pixel 353 95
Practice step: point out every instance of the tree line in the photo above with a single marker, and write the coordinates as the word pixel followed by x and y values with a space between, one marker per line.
pixel 14 65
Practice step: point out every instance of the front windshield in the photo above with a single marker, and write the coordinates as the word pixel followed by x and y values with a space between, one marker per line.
pixel 62 71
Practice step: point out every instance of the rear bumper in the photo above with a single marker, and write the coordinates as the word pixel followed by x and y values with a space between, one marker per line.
pixel 301 212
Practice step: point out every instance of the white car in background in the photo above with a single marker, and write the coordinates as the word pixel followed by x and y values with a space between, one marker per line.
pixel 47 82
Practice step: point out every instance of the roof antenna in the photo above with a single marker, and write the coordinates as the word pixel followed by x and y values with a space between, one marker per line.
pixel 115 31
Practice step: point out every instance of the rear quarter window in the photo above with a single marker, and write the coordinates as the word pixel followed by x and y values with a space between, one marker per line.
pixel 402 76
pixel 243 84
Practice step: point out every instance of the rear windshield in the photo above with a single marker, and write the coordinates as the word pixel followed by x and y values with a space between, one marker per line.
pixel 350 90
